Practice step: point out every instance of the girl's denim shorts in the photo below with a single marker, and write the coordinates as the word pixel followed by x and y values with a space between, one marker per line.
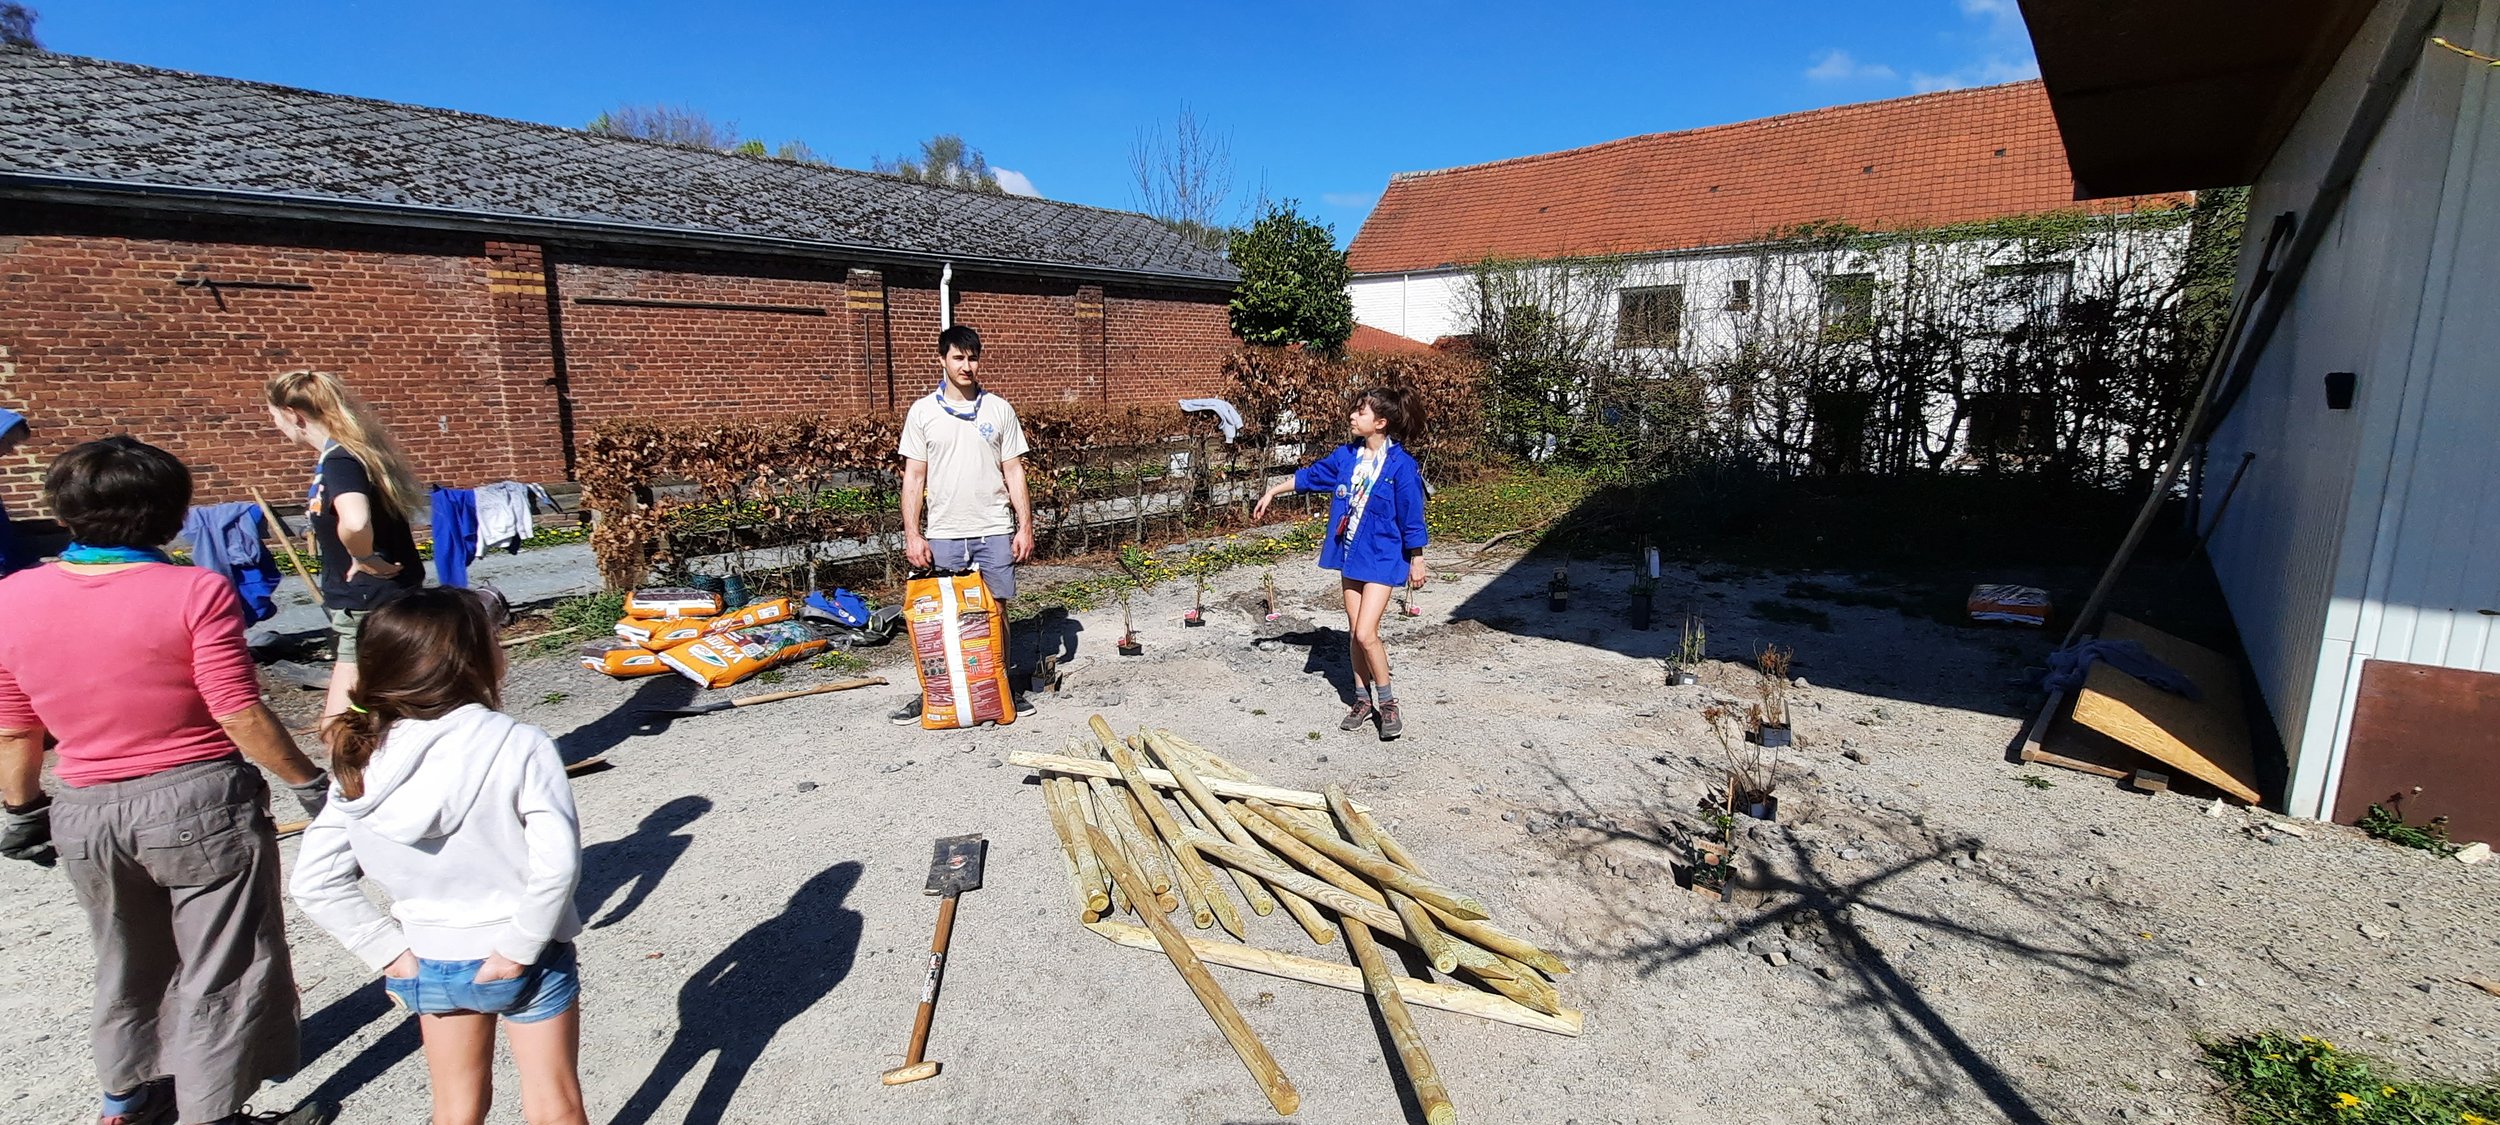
pixel 443 988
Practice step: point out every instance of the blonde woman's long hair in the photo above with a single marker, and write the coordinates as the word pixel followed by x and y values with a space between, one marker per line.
pixel 321 397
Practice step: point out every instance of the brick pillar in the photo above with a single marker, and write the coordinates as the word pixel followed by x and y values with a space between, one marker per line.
pixel 529 387
pixel 866 304
pixel 1093 353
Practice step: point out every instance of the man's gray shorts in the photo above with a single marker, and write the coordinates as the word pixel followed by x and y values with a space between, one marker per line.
pixel 996 555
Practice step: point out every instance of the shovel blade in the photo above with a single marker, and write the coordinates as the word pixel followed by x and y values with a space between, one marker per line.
pixel 956 867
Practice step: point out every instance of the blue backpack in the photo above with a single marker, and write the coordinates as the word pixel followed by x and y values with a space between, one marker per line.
pixel 844 607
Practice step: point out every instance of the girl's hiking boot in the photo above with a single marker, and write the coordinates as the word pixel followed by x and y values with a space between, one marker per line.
pixel 1390 725
pixel 1354 719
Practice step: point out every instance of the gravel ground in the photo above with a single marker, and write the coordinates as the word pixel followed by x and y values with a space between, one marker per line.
pixel 1959 945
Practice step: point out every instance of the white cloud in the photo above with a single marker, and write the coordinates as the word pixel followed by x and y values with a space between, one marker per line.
pixel 1015 183
pixel 1999 51
pixel 1841 66
pixel 1354 199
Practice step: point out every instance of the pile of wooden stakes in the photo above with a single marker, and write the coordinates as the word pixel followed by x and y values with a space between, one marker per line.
pixel 1319 856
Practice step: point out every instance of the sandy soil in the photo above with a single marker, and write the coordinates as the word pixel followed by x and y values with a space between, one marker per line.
pixel 1959 945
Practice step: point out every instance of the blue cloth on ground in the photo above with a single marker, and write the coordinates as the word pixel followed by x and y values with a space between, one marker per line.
pixel 2067 667
pixel 226 539
pixel 455 534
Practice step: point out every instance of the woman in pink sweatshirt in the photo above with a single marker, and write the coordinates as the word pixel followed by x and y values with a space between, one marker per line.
pixel 464 816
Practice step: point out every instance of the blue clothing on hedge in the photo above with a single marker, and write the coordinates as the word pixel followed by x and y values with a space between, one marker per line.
pixel 13 555
pixel 455 534
pixel 225 539
pixel 1391 517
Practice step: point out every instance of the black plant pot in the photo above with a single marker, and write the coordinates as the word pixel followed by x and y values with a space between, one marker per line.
pixel 1768 808
pixel 1196 618
pixel 1558 600
pixel 1684 678
pixel 1772 736
pixel 1129 647
pixel 1641 612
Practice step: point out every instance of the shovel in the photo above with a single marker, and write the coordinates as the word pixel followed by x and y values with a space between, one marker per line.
pixel 752 700
pixel 956 869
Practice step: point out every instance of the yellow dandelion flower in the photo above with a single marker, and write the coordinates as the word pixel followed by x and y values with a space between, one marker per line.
pixel 2472 1119
pixel 2387 1091
pixel 2346 1101
pixel 2277 1058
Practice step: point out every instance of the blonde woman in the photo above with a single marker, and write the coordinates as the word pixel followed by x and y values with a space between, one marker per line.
pixel 360 496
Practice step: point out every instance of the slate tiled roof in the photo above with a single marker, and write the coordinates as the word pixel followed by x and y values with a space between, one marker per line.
pixel 68 116
pixel 1933 159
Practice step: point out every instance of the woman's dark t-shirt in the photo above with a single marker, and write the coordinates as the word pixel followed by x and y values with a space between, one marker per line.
pixel 342 473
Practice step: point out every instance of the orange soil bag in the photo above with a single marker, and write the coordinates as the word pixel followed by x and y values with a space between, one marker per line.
pixel 2017 605
pixel 757 613
pixel 622 659
pixel 659 634
pixel 672 601
pixel 731 655
pixel 959 639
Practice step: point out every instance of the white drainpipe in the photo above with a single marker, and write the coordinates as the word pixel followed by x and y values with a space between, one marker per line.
pixel 946 299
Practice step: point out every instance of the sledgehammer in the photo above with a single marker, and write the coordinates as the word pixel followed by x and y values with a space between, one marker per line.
pixel 956 869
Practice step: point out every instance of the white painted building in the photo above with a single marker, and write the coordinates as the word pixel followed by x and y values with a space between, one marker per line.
pixel 2360 550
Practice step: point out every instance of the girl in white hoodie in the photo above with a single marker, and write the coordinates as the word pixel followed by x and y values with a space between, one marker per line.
pixel 465 818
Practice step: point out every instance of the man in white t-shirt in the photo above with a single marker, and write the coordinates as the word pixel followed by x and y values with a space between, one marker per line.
pixel 963 454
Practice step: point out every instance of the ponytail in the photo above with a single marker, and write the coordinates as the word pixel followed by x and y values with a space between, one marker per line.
pixel 422 655
pixel 320 396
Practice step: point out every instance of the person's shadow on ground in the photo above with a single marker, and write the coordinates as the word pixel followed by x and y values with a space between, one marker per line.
pixel 739 1001
pixel 628 720
pixel 641 860
pixel 326 1029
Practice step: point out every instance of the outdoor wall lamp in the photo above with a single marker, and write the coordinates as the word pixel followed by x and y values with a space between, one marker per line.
pixel 2339 389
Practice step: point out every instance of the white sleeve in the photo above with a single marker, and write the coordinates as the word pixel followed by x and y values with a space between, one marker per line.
pixel 551 833
pixel 915 443
pixel 1011 444
pixel 325 887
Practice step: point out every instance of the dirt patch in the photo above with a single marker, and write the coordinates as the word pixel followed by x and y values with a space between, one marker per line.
pixel 1952 944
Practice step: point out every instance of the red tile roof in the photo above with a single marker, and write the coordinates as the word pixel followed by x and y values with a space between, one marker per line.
pixel 1951 157
pixel 1369 339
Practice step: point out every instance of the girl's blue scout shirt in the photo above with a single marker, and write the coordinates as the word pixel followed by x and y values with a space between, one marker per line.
pixel 1393 516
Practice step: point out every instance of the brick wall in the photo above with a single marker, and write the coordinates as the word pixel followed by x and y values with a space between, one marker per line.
pixel 489 358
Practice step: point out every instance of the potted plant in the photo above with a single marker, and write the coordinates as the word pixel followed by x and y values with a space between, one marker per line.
pixel 1267 581
pixel 1406 603
pixel 1752 772
pixel 1691 650
pixel 1197 615
pixel 1128 645
pixel 1714 857
pixel 1644 600
pixel 1558 590
pixel 1770 717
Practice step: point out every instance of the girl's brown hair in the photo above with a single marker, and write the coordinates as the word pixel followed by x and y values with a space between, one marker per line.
pixel 1398 407
pixel 423 655
pixel 320 396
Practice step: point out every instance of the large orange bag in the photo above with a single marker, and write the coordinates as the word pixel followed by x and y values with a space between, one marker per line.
pixel 959 639
pixel 726 657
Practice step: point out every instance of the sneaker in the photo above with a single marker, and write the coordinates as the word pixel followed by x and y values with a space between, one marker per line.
pixel 154 1105
pixel 1023 704
pixel 1390 726
pixel 1354 719
pixel 309 1113
pixel 906 714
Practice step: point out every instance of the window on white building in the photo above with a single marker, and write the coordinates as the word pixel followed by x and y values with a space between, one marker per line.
pixel 1649 318
pixel 2029 292
pixel 1740 295
pixel 1848 305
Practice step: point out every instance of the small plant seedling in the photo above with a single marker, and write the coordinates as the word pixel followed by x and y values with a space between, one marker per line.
pixel 772 677
pixel 554 697
pixel 2037 782
pixel 2380 824
pixel 1312 735
pixel 1258 710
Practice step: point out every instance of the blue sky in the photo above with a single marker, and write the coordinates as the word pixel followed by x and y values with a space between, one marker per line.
pixel 1322 102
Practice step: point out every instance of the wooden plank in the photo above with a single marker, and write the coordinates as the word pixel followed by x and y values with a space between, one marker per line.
pixel 1163 779
pixel 1422 994
pixel 2205 738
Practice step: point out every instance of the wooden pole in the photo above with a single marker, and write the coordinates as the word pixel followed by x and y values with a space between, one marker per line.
pixel 1343 884
pixel 1067 853
pixel 1193 869
pixel 1420 1075
pixel 1222 823
pixel 1477 930
pixel 278 529
pixel 1252 891
pixel 1422 994
pixel 1419 927
pixel 1162 779
pixel 1382 871
pixel 1270 1077
pixel 1083 801
pixel 1092 900
pixel 1135 835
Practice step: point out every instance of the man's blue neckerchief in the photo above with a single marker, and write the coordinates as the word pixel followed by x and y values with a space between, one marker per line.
pixel 85 555
pixel 967 415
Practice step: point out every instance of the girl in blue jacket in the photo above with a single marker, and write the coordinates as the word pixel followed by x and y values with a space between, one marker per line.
pixel 1375 536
